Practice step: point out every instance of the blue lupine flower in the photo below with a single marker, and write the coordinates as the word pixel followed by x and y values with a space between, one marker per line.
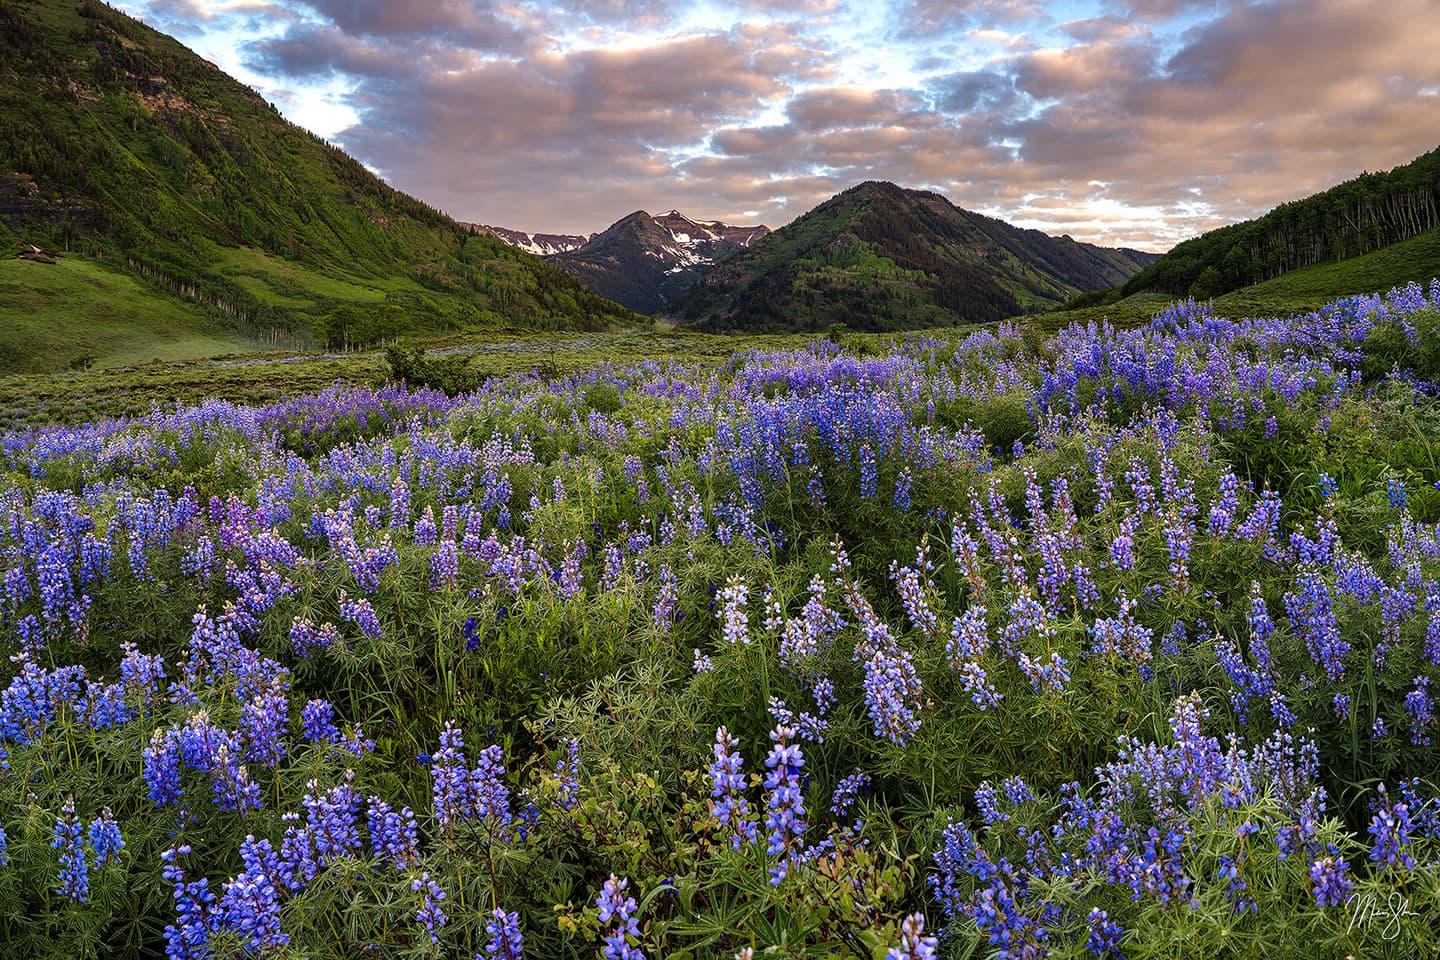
pixel 74 865
pixel 1328 881
pixel 1390 826
pixel 785 801
pixel 430 913
pixel 727 805
pixel 619 927
pixel 317 722
pixel 914 943
pixel 105 838
pixel 250 903
pixel 189 937
pixel 394 837
pixel 506 941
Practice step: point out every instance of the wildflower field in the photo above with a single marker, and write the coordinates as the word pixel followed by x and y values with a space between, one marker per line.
pixel 1106 644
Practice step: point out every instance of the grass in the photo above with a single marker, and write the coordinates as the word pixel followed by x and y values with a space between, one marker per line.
pixel 53 315
pixel 280 282
pixel 1309 288
pixel 1416 259
pixel 41 399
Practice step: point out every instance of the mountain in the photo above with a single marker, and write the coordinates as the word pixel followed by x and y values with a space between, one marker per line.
pixel 880 257
pixel 184 216
pixel 1354 218
pixel 540 244
pixel 643 261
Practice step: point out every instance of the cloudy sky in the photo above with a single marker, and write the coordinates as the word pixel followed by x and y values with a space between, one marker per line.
pixel 1137 123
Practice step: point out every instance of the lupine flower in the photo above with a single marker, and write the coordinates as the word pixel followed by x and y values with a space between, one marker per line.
pixel 160 768
pixel 232 787
pixel 567 776
pixel 619 928
pixel 914 944
pixel 1391 827
pixel 489 797
pixel 445 565
pixel 189 937
pixel 902 490
pixel 450 777
pixel 430 913
pixel 332 819
pixel 785 801
pixel 892 693
pixel 867 472
pixel 74 865
pixel 262 728
pixel 666 600
pixel 847 792
pixel 360 613
pixel 506 941
pixel 250 903
pixel 1313 619
pixel 985 801
pixel 355 743
pixel 105 838
pixel 317 722
pixel 1422 711
pixel 1103 939
pixel 298 863
pixel 908 580
pixel 736 625
pixel 394 837
pixel 727 804
pixel 1328 881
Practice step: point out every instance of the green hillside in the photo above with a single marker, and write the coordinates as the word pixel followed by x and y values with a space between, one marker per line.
pixel 879 257
pixel 182 200
pixel 1358 217
pixel 1414 260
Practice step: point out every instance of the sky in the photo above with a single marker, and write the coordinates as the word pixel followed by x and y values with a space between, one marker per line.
pixel 1137 124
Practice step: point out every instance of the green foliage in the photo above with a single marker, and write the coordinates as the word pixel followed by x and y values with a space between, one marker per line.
pixel 1005 420
pixel 351 326
pixel 1208 285
pixel 413 367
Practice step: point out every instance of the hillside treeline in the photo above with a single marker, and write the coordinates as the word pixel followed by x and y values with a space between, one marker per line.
pixel 1358 216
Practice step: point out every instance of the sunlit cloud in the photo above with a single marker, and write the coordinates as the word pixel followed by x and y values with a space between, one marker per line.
pixel 1135 124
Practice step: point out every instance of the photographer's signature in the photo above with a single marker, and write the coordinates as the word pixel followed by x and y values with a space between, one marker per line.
pixel 1367 910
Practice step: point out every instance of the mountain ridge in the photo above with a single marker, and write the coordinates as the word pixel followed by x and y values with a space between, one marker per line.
pixel 880 256
pixel 538 244
pixel 643 261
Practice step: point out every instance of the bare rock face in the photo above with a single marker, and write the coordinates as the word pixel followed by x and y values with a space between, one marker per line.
pixel 640 261
pixel 643 261
pixel 540 244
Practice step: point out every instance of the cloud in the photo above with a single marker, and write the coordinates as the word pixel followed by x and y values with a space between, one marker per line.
pixel 929 18
pixel 1142 125
pixel 479 26
pixel 976 91
pixel 1260 105
pixel 575 137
